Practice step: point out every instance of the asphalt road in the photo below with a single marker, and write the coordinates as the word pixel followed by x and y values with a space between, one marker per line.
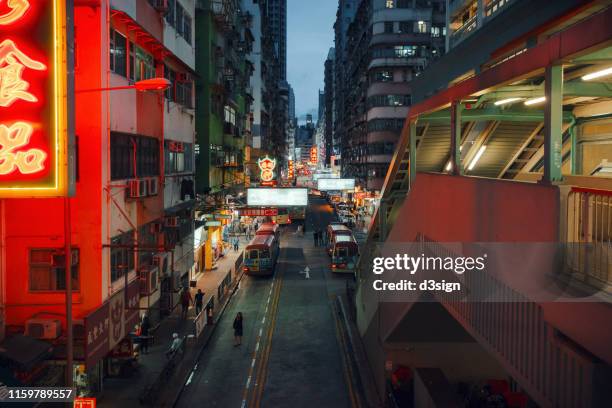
pixel 291 355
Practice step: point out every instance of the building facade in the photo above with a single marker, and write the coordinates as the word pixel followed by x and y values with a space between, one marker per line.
pixel 130 218
pixel 387 44
pixel 328 106
pixel 223 120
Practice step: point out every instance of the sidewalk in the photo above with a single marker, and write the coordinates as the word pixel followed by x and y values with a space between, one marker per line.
pixel 125 392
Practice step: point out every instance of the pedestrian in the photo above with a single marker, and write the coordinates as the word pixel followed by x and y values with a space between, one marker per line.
pixel 174 346
pixel 236 244
pixel 315 237
pixel 145 325
pixel 186 300
pixel 199 301
pixel 238 330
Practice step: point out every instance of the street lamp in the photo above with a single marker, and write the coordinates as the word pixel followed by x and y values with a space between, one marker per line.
pixel 155 85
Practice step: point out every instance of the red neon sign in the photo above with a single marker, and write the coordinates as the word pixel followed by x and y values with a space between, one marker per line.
pixel 33 112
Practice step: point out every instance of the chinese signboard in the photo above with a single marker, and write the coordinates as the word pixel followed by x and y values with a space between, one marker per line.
pixel 291 170
pixel 266 167
pixel 33 94
pixel 313 155
pixel 258 212
pixel 111 322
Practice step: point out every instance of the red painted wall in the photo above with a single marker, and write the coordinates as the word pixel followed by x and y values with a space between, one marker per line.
pixel 469 209
pixel 39 223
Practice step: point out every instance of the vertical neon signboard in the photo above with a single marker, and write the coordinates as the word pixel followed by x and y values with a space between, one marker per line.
pixel 33 98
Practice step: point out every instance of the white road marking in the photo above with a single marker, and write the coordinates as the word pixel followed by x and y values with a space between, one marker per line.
pixel 260 331
pixel 243 404
pixel 253 363
pixel 263 320
pixel 257 347
pixel 248 384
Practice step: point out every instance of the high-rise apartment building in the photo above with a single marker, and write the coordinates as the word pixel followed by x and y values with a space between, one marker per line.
pixel 388 43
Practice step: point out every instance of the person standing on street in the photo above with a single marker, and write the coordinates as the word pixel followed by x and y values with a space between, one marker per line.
pixel 199 301
pixel 186 300
pixel 145 325
pixel 315 237
pixel 236 244
pixel 238 330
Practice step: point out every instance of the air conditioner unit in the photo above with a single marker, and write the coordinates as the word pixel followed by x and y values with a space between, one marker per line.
pixel 149 279
pixel 48 329
pixel 161 6
pixel 137 188
pixel 153 186
pixel 172 222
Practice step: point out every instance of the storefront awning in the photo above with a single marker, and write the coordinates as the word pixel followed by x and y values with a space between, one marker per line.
pixel 24 351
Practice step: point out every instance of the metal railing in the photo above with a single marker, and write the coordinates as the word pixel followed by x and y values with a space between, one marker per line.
pixel 589 236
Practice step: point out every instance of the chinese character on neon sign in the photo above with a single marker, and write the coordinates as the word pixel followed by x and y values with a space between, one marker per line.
pixel 33 110
pixel 266 167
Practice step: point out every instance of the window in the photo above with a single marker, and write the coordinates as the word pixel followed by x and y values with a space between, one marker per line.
pixel 170 75
pixel 170 16
pixel 118 57
pixel 47 269
pixel 144 67
pixel 389 100
pixel 420 27
pixel 382 76
pixel 122 156
pixel 406 26
pixel 388 27
pixel 379 125
pixel 184 92
pixel 229 114
pixel 122 255
pixel 253 254
pixel 132 61
pixel 187 28
pixel 403 51
pixel 435 31
pixel 146 239
pixel 179 18
pixel 178 161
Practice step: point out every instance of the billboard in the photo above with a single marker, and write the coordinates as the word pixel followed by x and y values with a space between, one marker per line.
pixel 329 184
pixel 277 197
pixel 318 176
pixel 33 99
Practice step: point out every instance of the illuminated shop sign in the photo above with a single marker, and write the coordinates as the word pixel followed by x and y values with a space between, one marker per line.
pixel 266 168
pixel 313 155
pixel 33 118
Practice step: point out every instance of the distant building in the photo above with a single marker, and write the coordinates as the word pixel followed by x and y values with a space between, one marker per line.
pixel 328 105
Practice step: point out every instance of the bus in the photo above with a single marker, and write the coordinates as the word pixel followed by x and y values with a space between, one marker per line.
pixel 269 228
pixel 333 230
pixel 344 254
pixel 261 255
pixel 297 214
pixel 283 217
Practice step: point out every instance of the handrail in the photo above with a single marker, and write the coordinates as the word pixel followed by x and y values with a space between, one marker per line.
pixel 591 191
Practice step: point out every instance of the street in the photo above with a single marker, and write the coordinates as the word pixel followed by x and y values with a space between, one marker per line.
pixel 290 352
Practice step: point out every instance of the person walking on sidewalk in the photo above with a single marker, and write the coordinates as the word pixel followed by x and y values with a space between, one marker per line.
pixel 199 301
pixel 174 346
pixel 236 244
pixel 186 300
pixel 145 325
pixel 238 330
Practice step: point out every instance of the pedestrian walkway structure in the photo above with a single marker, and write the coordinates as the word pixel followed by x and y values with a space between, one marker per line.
pixel 507 141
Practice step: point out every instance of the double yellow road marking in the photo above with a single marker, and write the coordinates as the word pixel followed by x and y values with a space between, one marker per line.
pixel 255 384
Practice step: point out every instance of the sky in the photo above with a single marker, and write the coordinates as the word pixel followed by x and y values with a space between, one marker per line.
pixel 310 34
